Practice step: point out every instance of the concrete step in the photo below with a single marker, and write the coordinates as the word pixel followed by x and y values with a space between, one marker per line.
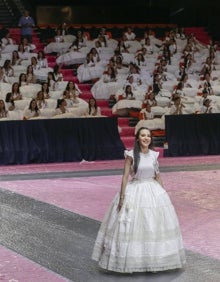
pixel 106 111
pixel 123 121
pixel 127 131
pixel 128 142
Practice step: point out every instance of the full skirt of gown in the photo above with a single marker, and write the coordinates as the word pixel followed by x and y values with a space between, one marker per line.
pixel 144 235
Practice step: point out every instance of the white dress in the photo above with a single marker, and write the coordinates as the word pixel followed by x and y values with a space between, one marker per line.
pixel 145 234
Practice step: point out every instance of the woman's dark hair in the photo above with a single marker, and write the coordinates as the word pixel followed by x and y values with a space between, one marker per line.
pixel 21 74
pixel 88 59
pixel 56 69
pixel 43 54
pixel 179 85
pixel 8 97
pixel 13 86
pixel 68 85
pixel 113 74
pixel 95 105
pixel 36 107
pixel 183 76
pixel 59 102
pixel 47 90
pixel 4 109
pixel 137 148
pixel 126 90
pixel 6 64
pixel 48 80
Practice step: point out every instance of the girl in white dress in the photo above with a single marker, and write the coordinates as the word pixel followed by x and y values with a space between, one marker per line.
pixel 73 88
pixel 140 231
pixel 8 69
pixel 15 90
pixel 31 78
pixel 32 111
pixel 58 76
pixel 91 69
pixel 3 111
pixel 15 59
pixel 146 113
pixel 107 85
pixel 9 102
pixel 45 89
pixel 41 101
pixel 61 107
pixel 93 109
pixel 42 60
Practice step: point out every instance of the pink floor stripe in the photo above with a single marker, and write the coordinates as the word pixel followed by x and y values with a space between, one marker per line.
pixel 97 165
pixel 195 196
pixel 15 268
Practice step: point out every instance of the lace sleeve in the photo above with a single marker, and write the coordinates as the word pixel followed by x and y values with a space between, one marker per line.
pixel 128 153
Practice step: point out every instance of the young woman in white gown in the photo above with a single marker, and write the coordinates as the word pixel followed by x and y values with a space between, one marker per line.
pixel 140 232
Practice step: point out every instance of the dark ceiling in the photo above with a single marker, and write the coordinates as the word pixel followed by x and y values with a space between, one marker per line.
pixel 183 12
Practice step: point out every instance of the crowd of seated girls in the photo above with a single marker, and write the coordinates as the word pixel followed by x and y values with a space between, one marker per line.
pixel 30 89
pixel 176 67
pixel 184 68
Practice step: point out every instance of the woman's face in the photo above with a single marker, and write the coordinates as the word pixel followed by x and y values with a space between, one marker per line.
pixel 109 70
pixel 21 48
pixel 23 77
pixel 151 96
pixel 40 95
pixel 44 86
pixel 92 102
pixel 148 108
pixel 15 54
pixel 33 60
pixel 50 76
pixel 128 89
pixel 71 85
pixel 64 103
pixel 2 104
pixel 15 86
pixel 33 104
pixel 144 138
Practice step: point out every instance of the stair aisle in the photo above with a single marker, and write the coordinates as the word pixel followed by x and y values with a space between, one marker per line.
pixel 200 34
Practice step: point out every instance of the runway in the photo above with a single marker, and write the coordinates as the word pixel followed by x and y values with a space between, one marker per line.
pixel 50 215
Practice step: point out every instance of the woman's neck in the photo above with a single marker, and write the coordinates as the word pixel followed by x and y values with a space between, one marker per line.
pixel 144 150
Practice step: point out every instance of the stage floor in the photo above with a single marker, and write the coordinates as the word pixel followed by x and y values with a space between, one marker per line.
pixel 50 215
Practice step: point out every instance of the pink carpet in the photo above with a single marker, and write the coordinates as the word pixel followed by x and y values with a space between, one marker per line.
pixel 97 165
pixel 195 196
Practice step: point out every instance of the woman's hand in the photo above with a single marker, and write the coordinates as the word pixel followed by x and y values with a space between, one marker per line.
pixel 120 204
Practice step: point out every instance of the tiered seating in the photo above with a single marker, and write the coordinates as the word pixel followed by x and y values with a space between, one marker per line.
pixel 126 124
pixel 200 33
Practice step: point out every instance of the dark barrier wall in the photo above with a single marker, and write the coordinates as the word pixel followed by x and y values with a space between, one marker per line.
pixel 60 140
pixel 192 135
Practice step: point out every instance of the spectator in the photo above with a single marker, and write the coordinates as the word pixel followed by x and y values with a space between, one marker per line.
pixel 32 111
pixel 26 23
pixel 3 111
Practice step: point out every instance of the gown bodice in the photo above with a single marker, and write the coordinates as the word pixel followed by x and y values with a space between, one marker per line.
pixel 147 167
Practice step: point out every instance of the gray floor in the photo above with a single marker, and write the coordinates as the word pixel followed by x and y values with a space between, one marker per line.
pixel 69 174
pixel 62 242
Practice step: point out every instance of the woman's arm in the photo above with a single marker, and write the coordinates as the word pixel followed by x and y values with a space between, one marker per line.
pixel 127 167
pixel 158 179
